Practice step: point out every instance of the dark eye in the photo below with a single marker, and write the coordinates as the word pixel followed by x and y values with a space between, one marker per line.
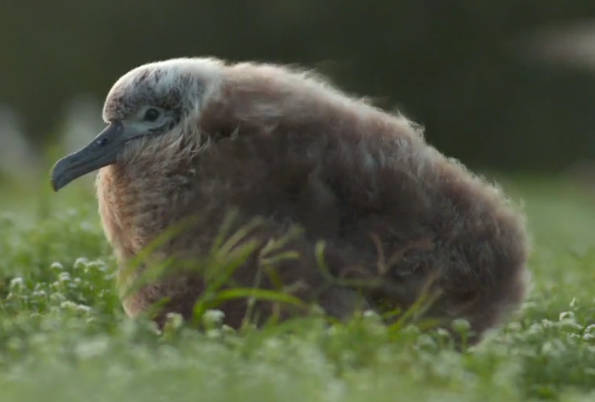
pixel 151 114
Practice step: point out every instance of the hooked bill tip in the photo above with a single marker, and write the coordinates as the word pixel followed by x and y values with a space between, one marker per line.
pixel 57 176
pixel 54 185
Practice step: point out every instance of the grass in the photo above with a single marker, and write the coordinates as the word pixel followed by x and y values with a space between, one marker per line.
pixel 64 336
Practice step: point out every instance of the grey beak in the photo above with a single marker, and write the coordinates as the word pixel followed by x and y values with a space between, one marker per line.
pixel 102 151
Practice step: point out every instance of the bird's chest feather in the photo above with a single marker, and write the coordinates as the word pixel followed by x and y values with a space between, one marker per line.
pixel 136 204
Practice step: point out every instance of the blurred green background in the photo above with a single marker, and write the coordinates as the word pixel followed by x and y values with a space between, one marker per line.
pixel 503 85
pixel 506 86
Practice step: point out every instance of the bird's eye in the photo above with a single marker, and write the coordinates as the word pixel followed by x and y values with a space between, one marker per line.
pixel 151 114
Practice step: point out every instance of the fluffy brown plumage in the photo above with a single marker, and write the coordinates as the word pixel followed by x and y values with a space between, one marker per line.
pixel 282 145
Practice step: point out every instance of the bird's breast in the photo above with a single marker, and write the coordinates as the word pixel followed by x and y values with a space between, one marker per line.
pixel 137 204
pixel 116 208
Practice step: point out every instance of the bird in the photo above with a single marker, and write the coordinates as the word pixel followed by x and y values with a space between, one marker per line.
pixel 383 218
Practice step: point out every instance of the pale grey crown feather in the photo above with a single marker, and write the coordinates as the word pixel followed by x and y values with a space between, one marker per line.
pixel 178 84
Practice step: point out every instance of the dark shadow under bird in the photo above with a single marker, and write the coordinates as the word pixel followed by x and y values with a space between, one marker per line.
pixel 199 138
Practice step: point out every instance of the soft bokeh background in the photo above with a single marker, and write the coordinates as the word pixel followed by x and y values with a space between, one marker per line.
pixel 502 85
pixel 506 86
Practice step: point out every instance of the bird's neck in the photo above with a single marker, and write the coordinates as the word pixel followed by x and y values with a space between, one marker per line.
pixel 137 197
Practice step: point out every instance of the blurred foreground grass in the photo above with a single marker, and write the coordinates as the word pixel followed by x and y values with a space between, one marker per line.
pixel 63 335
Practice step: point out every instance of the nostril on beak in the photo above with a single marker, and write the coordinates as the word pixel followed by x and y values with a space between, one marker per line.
pixel 102 141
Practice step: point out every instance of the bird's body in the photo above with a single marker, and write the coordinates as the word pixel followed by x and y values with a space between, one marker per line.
pixel 277 144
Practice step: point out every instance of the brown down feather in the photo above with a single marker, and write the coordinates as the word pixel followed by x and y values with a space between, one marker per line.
pixel 284 146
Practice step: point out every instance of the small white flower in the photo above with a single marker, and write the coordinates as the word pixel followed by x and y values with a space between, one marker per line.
pixel 17 283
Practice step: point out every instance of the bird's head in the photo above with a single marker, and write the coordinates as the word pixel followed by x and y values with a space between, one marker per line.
pixel 148 102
